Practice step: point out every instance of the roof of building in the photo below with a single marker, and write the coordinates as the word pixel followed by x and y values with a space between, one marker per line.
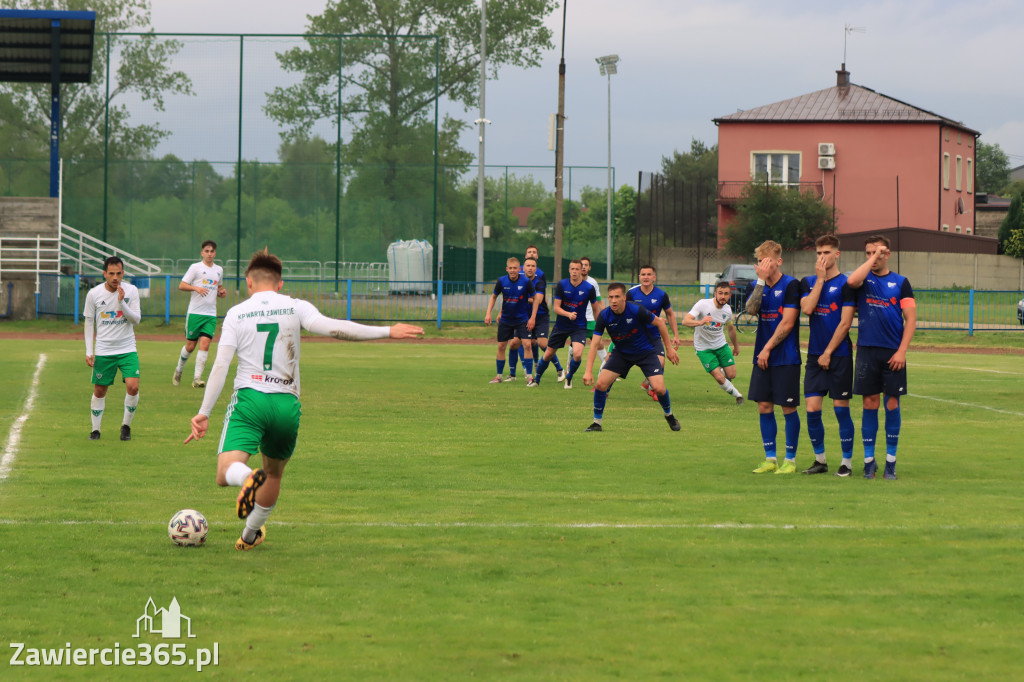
pixel 841 103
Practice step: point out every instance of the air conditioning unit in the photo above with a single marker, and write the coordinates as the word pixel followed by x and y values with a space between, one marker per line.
pixel 827 162
pixel 826 149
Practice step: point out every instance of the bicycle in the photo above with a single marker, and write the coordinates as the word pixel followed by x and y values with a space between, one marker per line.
pixel 744 320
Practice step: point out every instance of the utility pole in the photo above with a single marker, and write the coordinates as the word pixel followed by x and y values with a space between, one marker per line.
pixel 560 154
pixel 482 121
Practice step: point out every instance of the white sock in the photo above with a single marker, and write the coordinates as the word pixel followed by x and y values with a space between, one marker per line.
pixel 602 354
pixel 183 358
pixel 890 458
pixel 97 405
pixel 848 462
pixel 237 473
pixel 201 363
pixel 130 403
pixel 730 389
pixel 821 458
pixel 254 521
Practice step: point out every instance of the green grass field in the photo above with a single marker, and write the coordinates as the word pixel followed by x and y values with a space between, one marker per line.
pixel 435 527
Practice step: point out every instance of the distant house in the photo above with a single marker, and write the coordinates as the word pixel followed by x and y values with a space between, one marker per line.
pixel 879 161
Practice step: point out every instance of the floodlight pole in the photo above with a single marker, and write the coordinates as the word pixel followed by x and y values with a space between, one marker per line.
pixel 560 153
pixel 482 121
pixel 54 108
pixel 608 67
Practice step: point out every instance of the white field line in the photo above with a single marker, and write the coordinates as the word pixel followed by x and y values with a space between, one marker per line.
pixel 14 437
pixel 975 405
pixel 965 369
pixel 448 525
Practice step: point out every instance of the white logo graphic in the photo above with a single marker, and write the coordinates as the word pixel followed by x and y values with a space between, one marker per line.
pixel 629 320
pixel 846 393
pixel 892 285
pixel 519 288
pixel 653 301
pixel 170 621
pixel 777 293
pixel 833 290
pixel 789 400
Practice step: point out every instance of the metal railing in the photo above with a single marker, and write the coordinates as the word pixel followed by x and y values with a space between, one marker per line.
pixel 464 303
pixel 29 255
pixel 84 253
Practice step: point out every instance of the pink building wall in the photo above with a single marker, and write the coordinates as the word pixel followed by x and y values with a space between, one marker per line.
pixel 868 158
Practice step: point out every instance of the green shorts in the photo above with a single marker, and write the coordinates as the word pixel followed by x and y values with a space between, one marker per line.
pixel 715 358
pixel 590 328
pixel 261 422
pixel 104 368
pixel 200 325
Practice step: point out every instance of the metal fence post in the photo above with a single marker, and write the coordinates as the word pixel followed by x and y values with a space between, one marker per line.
pixel 78 288
pixel 970 315
pixel 348 299
pixel 440 286
pixel 167 299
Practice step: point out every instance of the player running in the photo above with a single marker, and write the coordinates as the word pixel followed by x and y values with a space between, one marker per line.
pixel 517 319
pixel 571 297
pixel 205 280
pixel 709 318
pixel 111 312
pixel 627 325
pixel 829 303
pixel 263 415
pixel 655 300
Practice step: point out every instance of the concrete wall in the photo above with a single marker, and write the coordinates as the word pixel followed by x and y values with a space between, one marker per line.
pixel 22 295
pixel 29 217
pixel 925 270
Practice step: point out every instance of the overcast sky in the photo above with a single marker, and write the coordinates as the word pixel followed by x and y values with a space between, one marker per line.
pixel 685 62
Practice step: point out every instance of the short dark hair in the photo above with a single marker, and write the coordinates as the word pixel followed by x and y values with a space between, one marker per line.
pixel 648 266
pixel 585 258
pixel 827 240
pixel 533 246
pixel 722 284
pixel 578 261
pixel 264 266
pixel 529 259
pixel 113 260
pixel 208 242
pixel 617 285
pixel 877 239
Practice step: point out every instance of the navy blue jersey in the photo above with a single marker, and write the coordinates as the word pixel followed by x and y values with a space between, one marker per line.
pixel 880 304
pixel 573 299
pixel 774 299
pixel 516 307
pixel 656 302
pixel 835 295
pixel 540 286
pixel 628 330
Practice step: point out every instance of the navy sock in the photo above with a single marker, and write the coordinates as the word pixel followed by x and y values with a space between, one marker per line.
pixel 769 430
pixel 792 433
pixel 536 354
pixel 528 365
pixel 541 366
pixel 893 421
pixel 599 400
pixel 846 430
pixel 665 403
pixel 574 365
pixel 501 366
pixel 868 431
pixel 513 363
pixel 816 432
pixel 558 365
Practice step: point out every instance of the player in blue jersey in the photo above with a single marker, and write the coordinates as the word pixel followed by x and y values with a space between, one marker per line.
pixel 518 315
pixel 775 377
pixel 887 319
pixel 539 334
pixel 655 300
pixel 829 303
pixel 571 297
pixel 627 325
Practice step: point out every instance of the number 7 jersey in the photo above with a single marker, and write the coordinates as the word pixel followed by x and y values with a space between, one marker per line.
pixel 265 332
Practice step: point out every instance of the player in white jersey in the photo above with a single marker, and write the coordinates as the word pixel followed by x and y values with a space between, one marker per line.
pixel 205 280
pixel 598 341
pixel 710 318
pixel 111 312
pixel 263 415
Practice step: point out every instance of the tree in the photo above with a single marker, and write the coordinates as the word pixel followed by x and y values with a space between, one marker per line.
pixel 624 227
pixel 142 69
pixel 1014 220
pixel 697 165
pixel 389 82
pixel 765 211
pixel 991 167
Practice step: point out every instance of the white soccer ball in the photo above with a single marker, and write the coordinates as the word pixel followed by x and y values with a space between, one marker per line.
pixel 188 528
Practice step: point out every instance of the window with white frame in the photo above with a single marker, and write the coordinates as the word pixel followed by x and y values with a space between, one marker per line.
pixel 779 168
pixel 959 172
pixel 970 176
pixel 945 228
pixel 945 171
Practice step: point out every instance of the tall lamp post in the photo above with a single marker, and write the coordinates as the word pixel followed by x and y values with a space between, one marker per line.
pixel 608 67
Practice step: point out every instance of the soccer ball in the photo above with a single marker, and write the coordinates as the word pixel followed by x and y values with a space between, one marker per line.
pixel 188 528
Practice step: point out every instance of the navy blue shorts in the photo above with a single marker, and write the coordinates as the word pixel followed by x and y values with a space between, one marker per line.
pixel 541 328
pixel 655 340
pixel 649 364
pixel 836 382
pixel 873 374
pixel 507 331
pixel 560 336
pixel 779 384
